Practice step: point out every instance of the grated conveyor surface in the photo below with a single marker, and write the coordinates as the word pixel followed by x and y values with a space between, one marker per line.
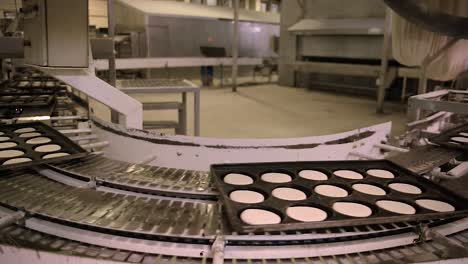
pixel 428 251
pixel 141 178
pixel 50 199
pixel 158 219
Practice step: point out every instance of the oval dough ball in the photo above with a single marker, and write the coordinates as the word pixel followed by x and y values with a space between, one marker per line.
pixel 16 161
pixel 276 177
pixel 289 194
pixel 405 188
pixel 55 155
pixel 38 140
pixel 25 130
pixel 4 139
pixel 245 196
pixel 463 140
pixel 368 189
pixel 306 213
pixel 396 207
pixel 48 148
pixel 238 179
pixel 330 191
pixel 435 205
pixel 385 174
pixel 259 217
pixel 5 154
pixel 352 209
pixel 29 135
pixel 313 175
pixel 348 174
pixel 5 145
pixel 463 134
pixel 2 133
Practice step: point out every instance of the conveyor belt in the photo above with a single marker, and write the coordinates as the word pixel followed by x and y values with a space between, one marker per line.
pixel 423 159
pixel 157 219
pixel 427 251
pixel 141 178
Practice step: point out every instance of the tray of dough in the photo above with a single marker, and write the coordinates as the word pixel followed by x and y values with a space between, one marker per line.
pixel 29 100
pixel 281 196
pixel 456 138
pixel 29 144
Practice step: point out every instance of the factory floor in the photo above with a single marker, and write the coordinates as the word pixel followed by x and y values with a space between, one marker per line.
pixel 273 111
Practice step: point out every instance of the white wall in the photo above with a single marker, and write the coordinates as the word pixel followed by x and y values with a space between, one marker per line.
pixel 8 5
pixel 98 13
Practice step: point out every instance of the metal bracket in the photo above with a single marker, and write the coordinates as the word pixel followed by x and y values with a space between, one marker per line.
pixel 217 250
pixel 92 184
pixel 390 148
pixel 11 218
pixel 421 231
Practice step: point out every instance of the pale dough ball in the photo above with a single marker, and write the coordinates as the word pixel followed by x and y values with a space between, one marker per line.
pixel 38 140
pixel 463 140
pixel 313 175
pixel 405 188
pixel 238 179
pixel 4 139
pixel 306 213
pixel 330 190
pixel 29 135
pixel 48 148
pixel 276 177
pixel 289 194
pixel 352 209
pixel 25 130
pixel 10 153
pixel 368 189
pixel 5 145
pixel 245 196
pixel 259 217
pixel 435 205
pixel 385 174
pixel 396 207
pixel 348 174
pixel 16 161
pixel 55 155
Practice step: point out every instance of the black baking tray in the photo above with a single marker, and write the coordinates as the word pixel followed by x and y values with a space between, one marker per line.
pixel 444 138
pixel 34 84
pixel 233 209
pixel 33 91
pixel 56 137
pixel 26 100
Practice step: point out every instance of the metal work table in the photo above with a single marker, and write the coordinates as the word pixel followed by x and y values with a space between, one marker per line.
pixel 153 63
pixel 454 101
pixel 154 86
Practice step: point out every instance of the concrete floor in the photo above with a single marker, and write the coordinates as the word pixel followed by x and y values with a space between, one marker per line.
pixel 272 111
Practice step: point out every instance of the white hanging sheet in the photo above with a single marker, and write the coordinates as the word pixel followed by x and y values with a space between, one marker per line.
pixel 411 44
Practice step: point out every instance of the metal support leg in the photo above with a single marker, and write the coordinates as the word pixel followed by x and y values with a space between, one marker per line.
pixel 403 89
pixel 413 113
pixel 384 61
pixel 218 250
pixel 196 117
pixel 235 45
pixel 183 116
pixel 222 76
